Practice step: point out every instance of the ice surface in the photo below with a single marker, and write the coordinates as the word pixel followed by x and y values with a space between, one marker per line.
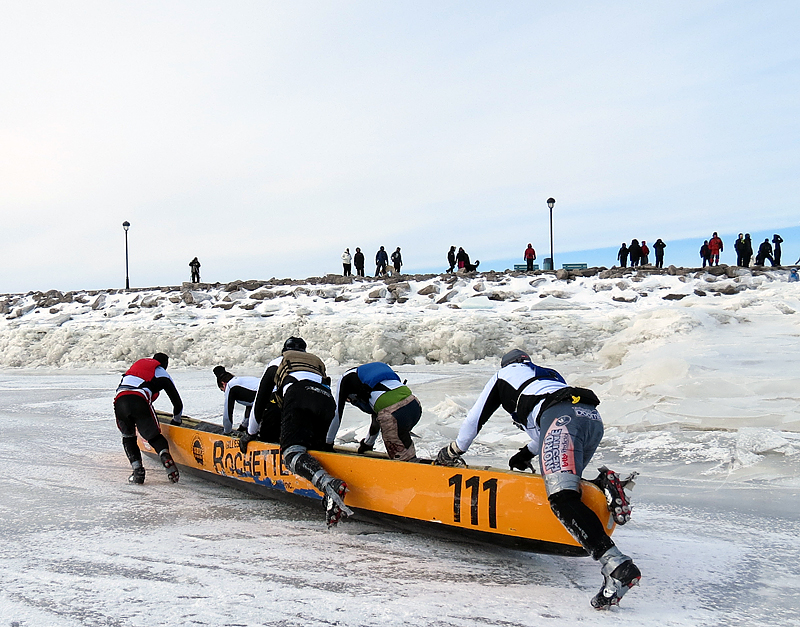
pixel 698 394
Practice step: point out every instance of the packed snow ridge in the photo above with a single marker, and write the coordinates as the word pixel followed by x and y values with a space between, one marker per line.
pixel 596 314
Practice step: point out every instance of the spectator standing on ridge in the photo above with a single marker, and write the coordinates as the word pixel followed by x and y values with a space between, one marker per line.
pixel 659 247
pixel 133 409
pixel 643 258
pixel 358 259
pixel 738 247
pixel 777 240
pixel 764 253
pixel 529 256
pixel 635 251
pixel 381 261
pixel 397 260
pixel 463 261
pixel 747 250
pixel 451 258
pixel 194 266
pixel 346 262
pixel 715 247
pixel 705 253
pixel 622 255
pixel 565 429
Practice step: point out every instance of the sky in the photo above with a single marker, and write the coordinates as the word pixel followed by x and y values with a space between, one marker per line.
pixel 265 137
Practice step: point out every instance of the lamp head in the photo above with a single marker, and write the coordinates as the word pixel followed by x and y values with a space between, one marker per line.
pixel 551 202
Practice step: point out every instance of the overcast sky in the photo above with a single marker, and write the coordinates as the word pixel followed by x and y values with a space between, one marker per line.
pixel 265 137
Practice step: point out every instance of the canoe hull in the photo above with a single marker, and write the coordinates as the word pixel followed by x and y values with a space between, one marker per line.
pixel 479 504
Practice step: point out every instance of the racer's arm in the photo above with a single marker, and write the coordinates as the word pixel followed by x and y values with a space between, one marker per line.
pixel 346 386
pixel 484 407
pixel 163 382
pixel 227 411
pixel 265 389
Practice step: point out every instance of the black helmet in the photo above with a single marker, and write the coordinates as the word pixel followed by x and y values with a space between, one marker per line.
pixel 294 344
pixel 513 357
pixel 162 359
pixel 223 376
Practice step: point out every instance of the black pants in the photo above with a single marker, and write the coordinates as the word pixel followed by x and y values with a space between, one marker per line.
pixel 269 429
pixel 134 413
pixel 308 410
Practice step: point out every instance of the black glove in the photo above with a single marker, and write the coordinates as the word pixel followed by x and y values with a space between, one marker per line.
pixel 176 420
pixel 363 447
pixel 450 455
pixel 244 441
pixel 521 460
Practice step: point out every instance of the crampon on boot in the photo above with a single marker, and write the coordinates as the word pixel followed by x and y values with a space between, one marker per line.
pixel 621 579
pixel 335 509
pixel 172 470
pixel 614 489
pixel 137 476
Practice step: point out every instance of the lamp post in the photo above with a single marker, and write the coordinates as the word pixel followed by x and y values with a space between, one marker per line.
pixel 551 203
pixel 126 225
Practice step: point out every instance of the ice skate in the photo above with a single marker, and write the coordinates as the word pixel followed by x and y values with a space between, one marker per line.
pixel 335 509
pixel 614 489
pixel 169 465
pixel 621 579
pixel 137 476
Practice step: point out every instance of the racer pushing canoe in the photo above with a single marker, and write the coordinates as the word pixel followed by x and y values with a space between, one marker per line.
pixel 565 429
pixel 555 511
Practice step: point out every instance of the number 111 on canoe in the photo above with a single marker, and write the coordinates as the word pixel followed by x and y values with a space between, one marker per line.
pixel 473 485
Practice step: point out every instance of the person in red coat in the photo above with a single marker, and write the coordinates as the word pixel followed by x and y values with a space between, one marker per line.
pixel 529 256
pixel 715 248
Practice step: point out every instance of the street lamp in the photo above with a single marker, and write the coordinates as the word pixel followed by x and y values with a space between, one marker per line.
pixel 551 203
pixel 126 225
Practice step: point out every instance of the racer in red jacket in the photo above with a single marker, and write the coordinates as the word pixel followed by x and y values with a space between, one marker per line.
pixel 133 409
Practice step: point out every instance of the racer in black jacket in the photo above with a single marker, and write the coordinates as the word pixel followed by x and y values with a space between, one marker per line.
pixel 540 402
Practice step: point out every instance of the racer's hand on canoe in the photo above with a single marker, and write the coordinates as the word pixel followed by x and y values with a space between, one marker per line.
pixel 363 447
pixel 450 455
pixel 521 460
pixel 244 441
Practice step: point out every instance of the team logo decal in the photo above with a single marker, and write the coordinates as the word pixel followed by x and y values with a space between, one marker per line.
pixel 557 448
pixel 197 451
pixel 591 414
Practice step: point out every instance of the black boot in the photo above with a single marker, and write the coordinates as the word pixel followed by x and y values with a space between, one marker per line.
pixel 169 464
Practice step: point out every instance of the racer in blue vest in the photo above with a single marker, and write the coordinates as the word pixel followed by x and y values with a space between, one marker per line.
pixel 377 390
pixel 133 409
pixel 541 402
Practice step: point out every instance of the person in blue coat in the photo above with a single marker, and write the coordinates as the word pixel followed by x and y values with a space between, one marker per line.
pixel 381 261
pixel 377 390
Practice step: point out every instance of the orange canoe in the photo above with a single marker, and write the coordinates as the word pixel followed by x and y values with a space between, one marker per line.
pixel 486 504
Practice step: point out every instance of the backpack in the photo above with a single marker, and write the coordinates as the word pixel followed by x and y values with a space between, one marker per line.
pixel 298 361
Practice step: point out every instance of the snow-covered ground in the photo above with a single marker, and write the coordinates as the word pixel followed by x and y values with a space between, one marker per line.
pixel 698 393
